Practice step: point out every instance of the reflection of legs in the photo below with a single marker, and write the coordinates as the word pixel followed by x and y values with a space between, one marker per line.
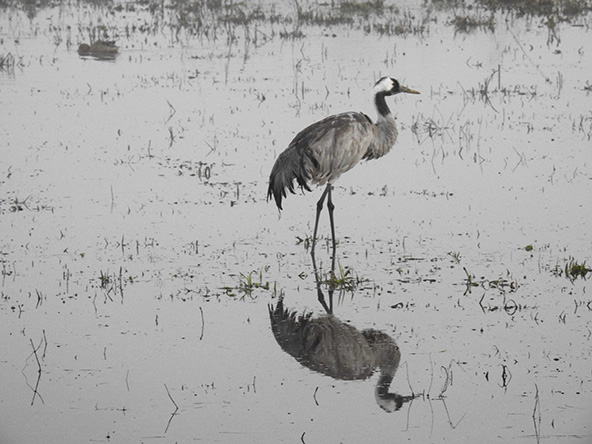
pixel 320 295
pixel 319 208
pixel 321 298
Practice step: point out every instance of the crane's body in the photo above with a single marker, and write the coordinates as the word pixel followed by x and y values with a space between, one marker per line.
pixel 323 151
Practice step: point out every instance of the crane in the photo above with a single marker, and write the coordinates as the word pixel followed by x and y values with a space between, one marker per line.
pixel 323 151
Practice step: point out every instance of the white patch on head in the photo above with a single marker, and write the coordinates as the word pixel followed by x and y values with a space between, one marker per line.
pixel 383 85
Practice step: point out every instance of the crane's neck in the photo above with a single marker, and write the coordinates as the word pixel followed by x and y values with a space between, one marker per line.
pixel 386 129
pixel 381 106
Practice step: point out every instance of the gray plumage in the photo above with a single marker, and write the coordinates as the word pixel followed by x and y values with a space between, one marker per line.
pixel 334 348
pixel 323 151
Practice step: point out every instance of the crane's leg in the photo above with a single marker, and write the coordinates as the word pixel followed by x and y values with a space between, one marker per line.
pixel 319 208
pixel 331 207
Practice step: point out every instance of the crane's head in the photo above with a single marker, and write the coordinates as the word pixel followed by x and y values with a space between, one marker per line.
pixel 389 86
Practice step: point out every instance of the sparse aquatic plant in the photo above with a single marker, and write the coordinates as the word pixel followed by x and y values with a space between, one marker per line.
pixel 7 63
pixel 455 255
pixel 573 269
pixel 104 280
pixel 345 279
pixel 249 282
pixel 305 241
pixel 500 283
pixel 584 123
pixel 470 281
pixel 428 127
pixel 113 283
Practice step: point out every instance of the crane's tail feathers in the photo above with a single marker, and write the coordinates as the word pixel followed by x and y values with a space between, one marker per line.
pixel 291 165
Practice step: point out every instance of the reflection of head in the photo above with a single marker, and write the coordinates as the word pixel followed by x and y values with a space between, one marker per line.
pixel 327 345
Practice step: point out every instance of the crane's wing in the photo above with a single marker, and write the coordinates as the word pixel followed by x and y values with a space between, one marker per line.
pixel 320 153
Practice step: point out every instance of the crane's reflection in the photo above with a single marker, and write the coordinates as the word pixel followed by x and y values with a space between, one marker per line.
pixel 334 348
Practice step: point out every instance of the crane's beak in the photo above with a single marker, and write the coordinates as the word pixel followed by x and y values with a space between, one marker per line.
pixel 404 89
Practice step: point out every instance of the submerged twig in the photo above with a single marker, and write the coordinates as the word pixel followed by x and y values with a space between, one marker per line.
pixel 506 376
pixel 172 111
pixel 450 423
pixel 408 381
pixel 35 390
pixel 536 415
pixel 202 324
pixel 171 398
pixel 45 345
pixel 174 412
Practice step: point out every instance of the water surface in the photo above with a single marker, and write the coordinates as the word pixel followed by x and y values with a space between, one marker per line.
pixel 139 254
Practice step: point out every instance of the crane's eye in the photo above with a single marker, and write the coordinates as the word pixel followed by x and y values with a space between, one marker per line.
pixel 396 87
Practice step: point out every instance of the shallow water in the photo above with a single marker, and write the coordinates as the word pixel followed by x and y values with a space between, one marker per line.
pixel 139 255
